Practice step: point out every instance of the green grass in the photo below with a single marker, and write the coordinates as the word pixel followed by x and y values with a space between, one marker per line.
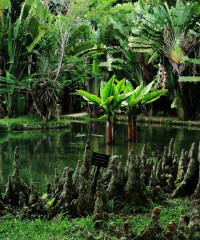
pixel 86 118
pixel 171 210
pixel 63 228
pixel 30 122
pixel 16 229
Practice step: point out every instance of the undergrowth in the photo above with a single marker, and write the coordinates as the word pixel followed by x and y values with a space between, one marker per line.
pixel 29 122
pixel 14 228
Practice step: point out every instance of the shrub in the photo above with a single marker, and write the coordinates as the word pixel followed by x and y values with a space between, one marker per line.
pixel 3 127
pixel 16 126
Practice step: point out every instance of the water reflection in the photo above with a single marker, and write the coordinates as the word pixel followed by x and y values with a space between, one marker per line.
pixel 41 152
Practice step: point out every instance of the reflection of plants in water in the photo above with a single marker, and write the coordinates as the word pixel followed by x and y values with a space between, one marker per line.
pixel 38 144
pixel 34 134
pixel 43 151
pixel 28 176
pixel 3 138
pixel 179 138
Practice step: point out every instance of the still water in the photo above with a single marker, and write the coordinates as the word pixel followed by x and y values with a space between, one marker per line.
pixel 43 151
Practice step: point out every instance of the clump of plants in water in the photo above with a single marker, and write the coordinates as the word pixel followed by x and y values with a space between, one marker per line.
pixel 139 183
pixel 114 94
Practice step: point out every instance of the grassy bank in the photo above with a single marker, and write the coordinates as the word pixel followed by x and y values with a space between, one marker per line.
pixel 166 120
pixel 63 228
pixel 30 122
pixel 141 118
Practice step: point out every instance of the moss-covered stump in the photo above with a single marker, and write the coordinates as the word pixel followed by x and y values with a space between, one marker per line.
pixel 190 180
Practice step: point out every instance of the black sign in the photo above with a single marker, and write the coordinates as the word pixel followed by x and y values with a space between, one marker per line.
pixel 100 160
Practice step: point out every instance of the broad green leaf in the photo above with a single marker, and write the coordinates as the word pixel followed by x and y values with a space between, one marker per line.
pixel 152 100
pixel 174 103
pixel 41 32
pixel 5 4
pixel 10 50
pixel 108 101
pixel 125 96
pixel 17 27
pixel 106 104
pixel 95 67
pixel 129 84
pixel 134 102
pixel 116 98
pixel 107 89
pixel 115 92
pixel 121 85
pixel 136 92
pixel 103 84
pixel 146 89
pixel 152 95
pixel 89 97
pixel 127 89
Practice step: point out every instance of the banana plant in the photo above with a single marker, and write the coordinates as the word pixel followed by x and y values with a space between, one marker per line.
pixel 111 96
pixel 139 97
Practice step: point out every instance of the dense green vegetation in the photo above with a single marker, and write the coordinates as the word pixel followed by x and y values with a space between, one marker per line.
pixel 129 59
pixel 63 228
pixel 29 123
pixel 49 49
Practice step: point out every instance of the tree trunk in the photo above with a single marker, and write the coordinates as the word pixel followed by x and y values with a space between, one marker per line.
pixel 109 132
pixel 132 129
pixel 184 103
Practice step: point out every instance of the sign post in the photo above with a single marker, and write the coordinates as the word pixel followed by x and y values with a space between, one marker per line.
pixel 99 160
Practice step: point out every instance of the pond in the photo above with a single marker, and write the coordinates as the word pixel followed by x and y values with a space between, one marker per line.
pixel 43 151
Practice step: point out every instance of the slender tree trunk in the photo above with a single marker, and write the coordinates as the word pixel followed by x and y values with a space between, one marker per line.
pixel 28 103
pixel 132 129
pixel 9 104
pixel 184 103
pixel 109 150
pixel 109 132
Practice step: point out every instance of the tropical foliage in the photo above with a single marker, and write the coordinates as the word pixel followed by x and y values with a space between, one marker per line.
pixel 80 46
pixel 140 97
pixel 168 32
pixel 111 97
